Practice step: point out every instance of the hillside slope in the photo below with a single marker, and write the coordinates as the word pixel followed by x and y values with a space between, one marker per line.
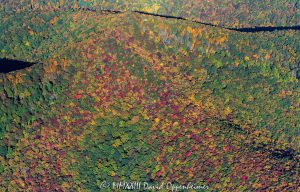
pixel 227 13
pixel 114 94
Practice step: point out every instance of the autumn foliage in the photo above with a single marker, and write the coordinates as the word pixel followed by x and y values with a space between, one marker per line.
pixel 133 97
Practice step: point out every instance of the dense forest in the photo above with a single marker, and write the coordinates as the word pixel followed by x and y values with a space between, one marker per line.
pixel 119 96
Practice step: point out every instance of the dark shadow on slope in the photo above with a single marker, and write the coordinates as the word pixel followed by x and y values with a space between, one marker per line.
pixel 278 153
pixel 265 29
pixel 287 153
pixel 244 30
pixel 8 65
pixel 159 15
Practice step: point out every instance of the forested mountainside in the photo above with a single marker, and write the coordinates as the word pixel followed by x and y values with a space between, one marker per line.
pixel 228 13
pixel 127 96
